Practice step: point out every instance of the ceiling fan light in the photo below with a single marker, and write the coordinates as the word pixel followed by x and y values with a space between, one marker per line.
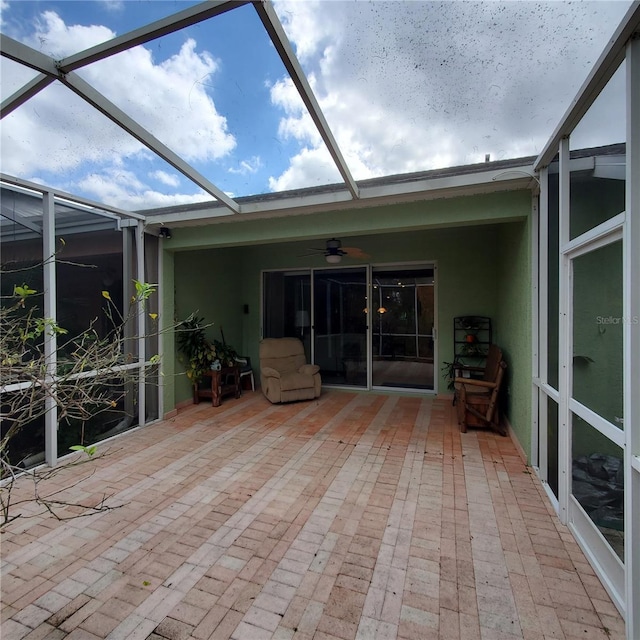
pixel 333 258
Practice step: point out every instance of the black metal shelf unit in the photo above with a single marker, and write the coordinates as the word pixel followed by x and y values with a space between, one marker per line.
pixel 472 336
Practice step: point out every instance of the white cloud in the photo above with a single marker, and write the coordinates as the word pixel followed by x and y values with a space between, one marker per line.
pixel 409 86
pixel 250 166
pixel 297 123
pixel 169 179
pixel 58 132
pixel 113 5
pixel 4 6
pixel 124 189
pixel 54 38
pixel 404 85
pixel 316 162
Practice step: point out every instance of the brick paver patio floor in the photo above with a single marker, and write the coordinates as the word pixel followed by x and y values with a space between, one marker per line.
pixel 355 516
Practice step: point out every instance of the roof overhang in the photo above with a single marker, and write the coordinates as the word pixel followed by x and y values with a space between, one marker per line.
pixel 451 183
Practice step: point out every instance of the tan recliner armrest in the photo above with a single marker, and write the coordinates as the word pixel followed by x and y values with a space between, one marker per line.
pixel 269 372
pixel 309 369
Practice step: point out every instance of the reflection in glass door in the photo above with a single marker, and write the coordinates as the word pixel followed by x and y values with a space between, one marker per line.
pixel 596 404
pixel 287 306
pixel 403 310
pixel 329 310
pixel 340 325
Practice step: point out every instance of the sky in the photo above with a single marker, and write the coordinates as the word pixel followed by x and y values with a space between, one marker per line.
pixel 404 85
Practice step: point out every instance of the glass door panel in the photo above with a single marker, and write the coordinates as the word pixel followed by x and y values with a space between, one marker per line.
pixel 340 325
pixel 598 481
pixel 287 306
pixel 553 317
pixel 597 331
pixel 597 392
pixel 403 312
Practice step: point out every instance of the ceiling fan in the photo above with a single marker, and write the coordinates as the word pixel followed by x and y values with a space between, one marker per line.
pixel 334 251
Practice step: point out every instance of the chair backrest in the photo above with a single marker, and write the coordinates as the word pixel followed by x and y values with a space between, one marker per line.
pixel 282 354
pixel 492 368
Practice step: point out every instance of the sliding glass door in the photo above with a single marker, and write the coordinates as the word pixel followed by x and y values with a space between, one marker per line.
pixel 364 326
pixel 403 312
pixel 340 325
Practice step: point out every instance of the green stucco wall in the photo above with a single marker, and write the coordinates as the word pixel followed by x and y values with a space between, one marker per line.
pixel 235 230
pixel 514 326
pixel 220 280
pixel 208 284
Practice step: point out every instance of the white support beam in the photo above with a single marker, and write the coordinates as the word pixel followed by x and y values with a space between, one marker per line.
pixel 26 92
pixel 23 54
pixel 50 341
pixel 165 26
pixel 141 327
pixel 119 117
pixel 68 199
pixel 603 70
pixel 279 38
pixel 631 297
pixel 163 329
pixel 9 213
pixel 564 339
pixel 535 328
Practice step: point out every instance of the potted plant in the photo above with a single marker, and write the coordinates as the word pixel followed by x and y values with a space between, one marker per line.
pixel 201 353
pixel 449 371
pixel 196 349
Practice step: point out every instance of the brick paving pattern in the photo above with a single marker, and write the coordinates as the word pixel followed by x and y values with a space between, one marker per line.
pixel 356 516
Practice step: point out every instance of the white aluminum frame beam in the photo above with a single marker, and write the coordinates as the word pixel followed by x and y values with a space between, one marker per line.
pixel 27 56
pixel 18 219
pixel 165 26
pixel 272 24
pixel 140 328
pixel 50 338
pixel 63 70
pixel 564 335
pixel 631 299
pixel 26 92
pixel 19 52
pixel 84 90
pixel 602 72
pixel 68 199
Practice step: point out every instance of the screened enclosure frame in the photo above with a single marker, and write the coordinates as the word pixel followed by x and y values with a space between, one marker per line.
pixel 620 577
pixel 124 220
pixel 64 71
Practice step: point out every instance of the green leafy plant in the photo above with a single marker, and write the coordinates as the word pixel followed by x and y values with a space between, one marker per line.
pixel 449 371
pixel 90 450
pixel 200 352
pixel 81 382
pixel 193 344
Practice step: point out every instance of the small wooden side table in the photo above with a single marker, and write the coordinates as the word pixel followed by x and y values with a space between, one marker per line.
pixel 224 382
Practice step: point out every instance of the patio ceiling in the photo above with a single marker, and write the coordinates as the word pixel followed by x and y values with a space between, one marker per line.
pixel 356 92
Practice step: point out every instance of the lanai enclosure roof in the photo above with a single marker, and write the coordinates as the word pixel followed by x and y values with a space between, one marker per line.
pixel 241 99
pixel 182 114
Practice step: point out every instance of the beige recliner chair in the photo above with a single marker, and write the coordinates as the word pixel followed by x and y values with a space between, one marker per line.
pixel 285 375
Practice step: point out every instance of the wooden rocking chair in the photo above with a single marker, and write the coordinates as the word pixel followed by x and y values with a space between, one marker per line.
pixel 477 398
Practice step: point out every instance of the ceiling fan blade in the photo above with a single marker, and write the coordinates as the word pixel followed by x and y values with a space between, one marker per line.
pixel 356 252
